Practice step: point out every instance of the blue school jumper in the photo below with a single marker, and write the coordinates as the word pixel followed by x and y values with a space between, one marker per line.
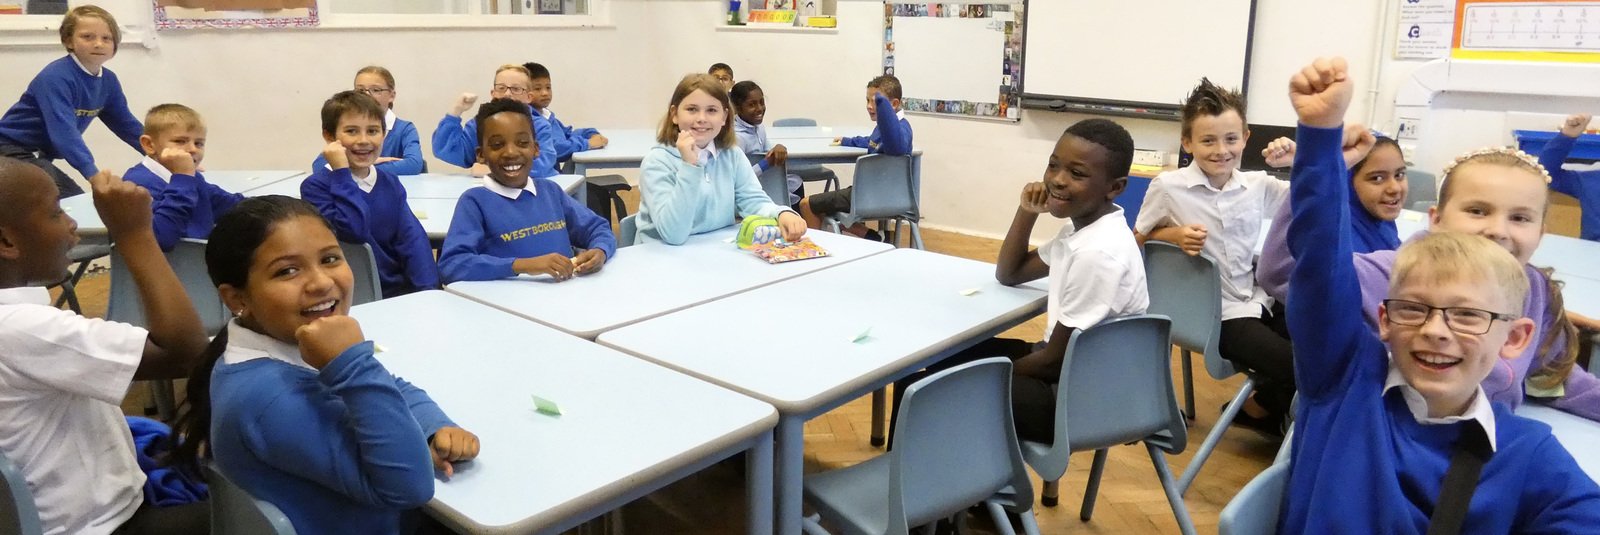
pixel 1361 461
pixel 401 141
pixel 381 219
pixel 457 143
pixel 569 140
pixel 892 135
pixel 58 106
pixel 186 207
pixel 1584 185
pixel 490 231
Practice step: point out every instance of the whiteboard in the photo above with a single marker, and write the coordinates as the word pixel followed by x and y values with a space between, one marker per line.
pixel 1135 51
pixel 948 58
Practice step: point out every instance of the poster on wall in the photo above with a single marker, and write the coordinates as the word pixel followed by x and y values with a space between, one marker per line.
pixel 956 59
pixel 234 14
pixel 1425 29
pixel 1527 30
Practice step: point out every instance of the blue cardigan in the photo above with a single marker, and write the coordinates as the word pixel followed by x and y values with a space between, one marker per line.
pixel 57 108
pixel 568 140
pixel 402 142
pixel 891 136
pixel 1584 185
pixel 1361 462
pixel 381 219
pixel 457 143
pixel 489 231
pixel 679 200
pixel 185 208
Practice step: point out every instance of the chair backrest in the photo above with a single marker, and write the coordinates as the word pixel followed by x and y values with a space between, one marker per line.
pixel 1132 198
pixel 1422 190
pixel 1188 290
pixel 188 260
pixel 955 445
pixel 627 230
pixel 1254 510
pixel 236 512
pixel 1116 386
pixel 775 181
pixel 795 121
pixel 884 188
pixel 368 287
pixel 18 514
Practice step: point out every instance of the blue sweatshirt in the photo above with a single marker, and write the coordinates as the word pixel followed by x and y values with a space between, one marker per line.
pixel 187 207
pixel 1584 185
pixel 568 139
pixel 57 108
pixel 678 200
pixel 490 231
pixel 1361 461
pixel 457 143
pixel 891 136
pixel 381 219
pixel 341 450
pixel 401 142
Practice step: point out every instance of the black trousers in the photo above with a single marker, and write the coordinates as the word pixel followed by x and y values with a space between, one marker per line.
pixel 178 519
pixel 1261 346
pixel 1033 401
pixel 64 183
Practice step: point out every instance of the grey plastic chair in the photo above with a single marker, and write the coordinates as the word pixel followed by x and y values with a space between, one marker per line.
pixel 81 255
pixel 885 190
pixel 188 260
pixel 775 180
pixel 627 231
pixel 18 513
pixel 1188 289
pixel 236 512
pixel 1255 509
pixel 809 173
pixel 955 446
pixel 368 287
pixel 1423 190
pixel 1115 389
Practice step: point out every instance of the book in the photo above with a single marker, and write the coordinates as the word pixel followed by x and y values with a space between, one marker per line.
pixel 779 251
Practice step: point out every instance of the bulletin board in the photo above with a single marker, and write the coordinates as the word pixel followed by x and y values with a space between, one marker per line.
pixel 234 14
pixel 1527 31
pixel 956 59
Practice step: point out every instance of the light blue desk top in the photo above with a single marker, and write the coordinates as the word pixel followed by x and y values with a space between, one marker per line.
pixel 804 142
pixel 1582 295
pixel 648 280
pixel 791 343
pixel 1580 436
pixel 535 471
pixel 423 186
pixel 244 181
pixel 81 207
pixel 782 134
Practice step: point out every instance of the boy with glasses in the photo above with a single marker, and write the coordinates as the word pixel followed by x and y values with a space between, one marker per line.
pixel 457 143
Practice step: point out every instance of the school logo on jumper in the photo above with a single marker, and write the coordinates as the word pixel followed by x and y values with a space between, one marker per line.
pixel 87 113
pixel 533 230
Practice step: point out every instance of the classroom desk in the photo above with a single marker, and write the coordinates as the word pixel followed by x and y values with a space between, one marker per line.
pixel 1582 295
pixel 782 134
pixel 646 428
pixel 651 279
pixel 81 207
pixel 244 181
pixel 627 149
pixel 910 304
pixel 1578 435
pixel 428 186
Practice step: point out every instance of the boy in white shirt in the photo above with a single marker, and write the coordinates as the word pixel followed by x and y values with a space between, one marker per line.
pixel 63 376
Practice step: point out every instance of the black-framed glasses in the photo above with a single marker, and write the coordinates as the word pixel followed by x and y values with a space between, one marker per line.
pixel 510 89
pixel 1464 320
pixel 373 91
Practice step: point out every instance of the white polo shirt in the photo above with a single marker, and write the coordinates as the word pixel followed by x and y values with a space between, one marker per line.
pixel 1095 273
pixel 62 380
pixel 1232 217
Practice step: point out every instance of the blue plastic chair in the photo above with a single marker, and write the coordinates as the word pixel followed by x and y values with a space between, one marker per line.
pixel 627 231
pixel 885 190
pixel 955 446
pixel 81 255
pixel 236 512
pixel 1255 509
pixel 1188 289
pixel 368 287
pixel 188 260
pixel 18 513
pixel 1115 389
pixel 1423 191
pixel 809 173
pixel 774 181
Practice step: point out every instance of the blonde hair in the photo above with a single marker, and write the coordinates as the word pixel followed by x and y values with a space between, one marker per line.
pixel 69 25
pixel 513 67
pixel 1501 156
pixel 667 134
pixel 1456 257
pixel 168 117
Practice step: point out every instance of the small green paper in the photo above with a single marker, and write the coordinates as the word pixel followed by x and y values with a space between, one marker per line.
pixel 546 406
pixel 969 291
pixel 862 337
pixel 378 348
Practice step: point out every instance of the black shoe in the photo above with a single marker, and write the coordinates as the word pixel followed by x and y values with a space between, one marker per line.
pixel 1271 425
pixel 873 235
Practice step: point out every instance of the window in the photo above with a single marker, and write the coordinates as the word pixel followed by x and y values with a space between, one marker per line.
pixel 458 7
pixel 462 13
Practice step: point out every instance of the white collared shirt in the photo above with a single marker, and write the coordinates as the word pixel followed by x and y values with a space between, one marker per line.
pixel 86 69
pixel 708 153
pixel 157 169
pixel 388 120
pixel 366 184
pixel 546 113
pixel 510 192
pixel 246 345
pixel 1479 410
pixel 1096 273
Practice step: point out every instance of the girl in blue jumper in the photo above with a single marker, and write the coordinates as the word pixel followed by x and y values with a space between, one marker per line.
pixel 402 147
pixel 696 179
pixel 301 414
pixel 47 123
pixel 518 224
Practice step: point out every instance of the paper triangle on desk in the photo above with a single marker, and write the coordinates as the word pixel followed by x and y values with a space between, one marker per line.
pixel 545 406
pixel 969 291
pixel 862 337
pixel 421 214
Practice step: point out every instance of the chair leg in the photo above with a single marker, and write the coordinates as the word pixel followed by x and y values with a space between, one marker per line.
pixel 1093 489
pixel 1001 521
pixel 1188 387
pixel 1174 496
pixel 812 525
pixel 69 295
pixel 166 405
pixel 1215 436
pixel 879 399
pixel 1051 494
pixel 916 236
pixel 833 225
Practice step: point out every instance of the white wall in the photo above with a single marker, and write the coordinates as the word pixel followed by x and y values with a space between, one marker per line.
pixel 260 90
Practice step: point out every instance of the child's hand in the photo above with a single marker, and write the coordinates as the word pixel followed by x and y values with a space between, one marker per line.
pixel 478 170
pixel 1582 322
pixel 387 159
pixel 554 264
pixel 324 339
pixel 598 141
pixel 1575 124
pixel 462 104
pixel 1320 92
pixel 336 156
pixel 1358 141
pixel 450 445
pixel 1279 153
pixel 791 225
pixel 1035 198
pixel 589 261
pixel 837 141
pixel 779 155
pixel 1194 238
pixel 686 147
pixel 123 205
pixel 179 161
